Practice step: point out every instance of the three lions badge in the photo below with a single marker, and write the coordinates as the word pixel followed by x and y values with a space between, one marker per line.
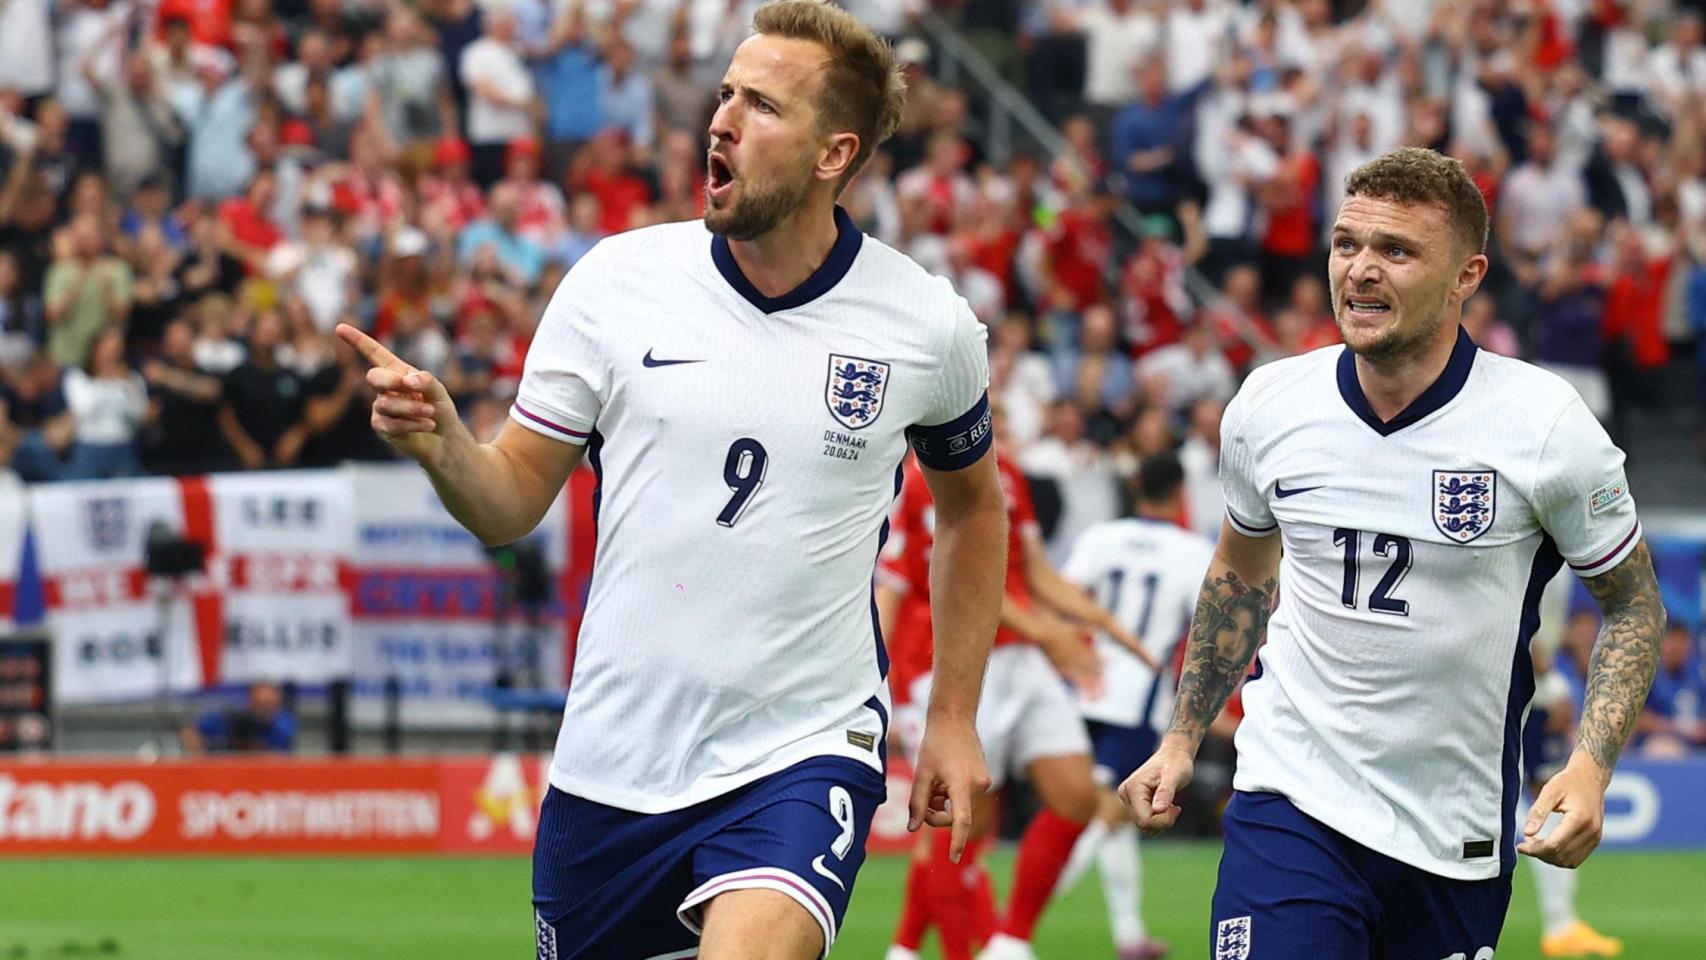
pixel 854 390
pixel 1464 502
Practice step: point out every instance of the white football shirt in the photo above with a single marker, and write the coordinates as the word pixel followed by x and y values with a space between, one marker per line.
pixel 1147 573
pixel 747 449
pixel 1389 699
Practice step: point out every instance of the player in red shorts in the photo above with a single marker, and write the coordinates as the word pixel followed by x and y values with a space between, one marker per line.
pixel 1027 718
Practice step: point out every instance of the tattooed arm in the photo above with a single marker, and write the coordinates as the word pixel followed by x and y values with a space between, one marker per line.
pixel 1231 619
pixel 1624 659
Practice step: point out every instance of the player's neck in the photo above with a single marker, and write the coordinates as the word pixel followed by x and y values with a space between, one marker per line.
pixel 777 262
pixel 1393 385
pixel 1163 513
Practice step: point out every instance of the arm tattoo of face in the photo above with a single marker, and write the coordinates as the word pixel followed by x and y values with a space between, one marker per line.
pixel 1230 621
pixel 1624 657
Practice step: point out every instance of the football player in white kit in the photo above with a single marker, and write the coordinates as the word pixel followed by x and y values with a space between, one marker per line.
pixel 745 388
pixel 1424 492
pixel 1146 569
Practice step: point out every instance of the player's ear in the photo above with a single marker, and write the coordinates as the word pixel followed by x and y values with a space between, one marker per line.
pixel 1469 277
pixel 838 156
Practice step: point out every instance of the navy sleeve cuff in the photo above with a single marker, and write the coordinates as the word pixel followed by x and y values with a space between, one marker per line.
pixel 957 444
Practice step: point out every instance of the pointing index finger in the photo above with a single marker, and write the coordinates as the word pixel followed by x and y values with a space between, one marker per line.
pixel 372 350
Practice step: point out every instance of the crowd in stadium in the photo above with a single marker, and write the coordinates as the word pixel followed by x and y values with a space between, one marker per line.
pixel 194 193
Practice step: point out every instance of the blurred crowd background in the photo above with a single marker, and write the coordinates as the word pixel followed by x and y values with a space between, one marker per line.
pixel 194 192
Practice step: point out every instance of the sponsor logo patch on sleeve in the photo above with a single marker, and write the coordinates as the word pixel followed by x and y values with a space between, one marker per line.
pixel 1607 496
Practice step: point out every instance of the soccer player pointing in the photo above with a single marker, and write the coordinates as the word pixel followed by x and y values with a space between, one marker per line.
pixel 745 387
pixel 1424 493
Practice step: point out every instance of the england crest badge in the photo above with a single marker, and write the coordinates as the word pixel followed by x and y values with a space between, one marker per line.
pixel 1232 939
pixel 107 520
pixel 1465 502
pixel 854 390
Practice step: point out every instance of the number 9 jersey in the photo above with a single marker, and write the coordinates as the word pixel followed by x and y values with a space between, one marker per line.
pixel 748 449
pixel 1389 698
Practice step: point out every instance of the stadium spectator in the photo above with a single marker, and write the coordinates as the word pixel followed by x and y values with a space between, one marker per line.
pixel 107 401
pixel 499 236
pixel 338 413
pixel 1188 371
pixel 86 291
pixel 26 47
pixel 261 410
pixel 626 102
pixel 217 115
pixel 684 100
pixel 500 94
pixel 181 432
pixel 139 128
pixel 313 59
pixel 409 84
pixel 1150 138
pixel 157 295
pixel 568 65
pixel 320 269
pixel 262 725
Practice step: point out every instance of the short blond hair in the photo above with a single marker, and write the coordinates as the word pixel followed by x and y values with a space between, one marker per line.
pixel 863 90
pixel 1416 175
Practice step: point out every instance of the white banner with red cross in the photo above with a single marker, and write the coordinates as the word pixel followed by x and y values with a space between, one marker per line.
pixel 118 633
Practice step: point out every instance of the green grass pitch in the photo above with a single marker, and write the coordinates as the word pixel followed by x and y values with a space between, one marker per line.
pixel 461 909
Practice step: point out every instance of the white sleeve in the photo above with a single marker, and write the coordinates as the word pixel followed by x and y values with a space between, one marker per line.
pixel 1246 505
pixel 1581 496
pixel 954 432
pixel 567 377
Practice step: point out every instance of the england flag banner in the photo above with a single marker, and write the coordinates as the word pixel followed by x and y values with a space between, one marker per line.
pixel 103 609
pixel 280 553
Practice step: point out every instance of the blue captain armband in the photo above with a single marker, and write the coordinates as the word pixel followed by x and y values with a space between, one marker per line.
pixel 957 444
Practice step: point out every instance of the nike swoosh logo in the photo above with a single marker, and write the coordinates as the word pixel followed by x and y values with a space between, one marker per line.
pixel 822 871
pixel 651 361
pixel 1282 492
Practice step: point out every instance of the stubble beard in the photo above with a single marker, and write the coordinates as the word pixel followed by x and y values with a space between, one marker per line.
pixel 1395 345
pixel 759 209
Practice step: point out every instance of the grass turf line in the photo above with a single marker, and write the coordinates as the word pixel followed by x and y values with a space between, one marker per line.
pixel 455 909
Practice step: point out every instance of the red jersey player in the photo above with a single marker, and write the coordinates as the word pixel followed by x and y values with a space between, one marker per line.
pixel 1027 719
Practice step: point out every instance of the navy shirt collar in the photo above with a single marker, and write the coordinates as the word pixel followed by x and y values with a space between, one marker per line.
pixel 823 279
pixel 1437 395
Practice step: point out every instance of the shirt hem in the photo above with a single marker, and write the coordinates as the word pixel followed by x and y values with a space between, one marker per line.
pixel 1364 835
pixel 708 787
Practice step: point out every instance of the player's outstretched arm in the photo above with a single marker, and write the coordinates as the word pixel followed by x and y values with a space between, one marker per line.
pixel 1624 659
pixel 499 491
pixel 1233 607
pixel 1052 588
pixel 966 570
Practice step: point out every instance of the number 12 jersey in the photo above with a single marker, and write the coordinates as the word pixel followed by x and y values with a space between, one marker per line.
pixel 1389 698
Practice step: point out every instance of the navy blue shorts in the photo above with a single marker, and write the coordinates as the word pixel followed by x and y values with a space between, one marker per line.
pixel 611 884
pixel 1118 750
pixel 1291 889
